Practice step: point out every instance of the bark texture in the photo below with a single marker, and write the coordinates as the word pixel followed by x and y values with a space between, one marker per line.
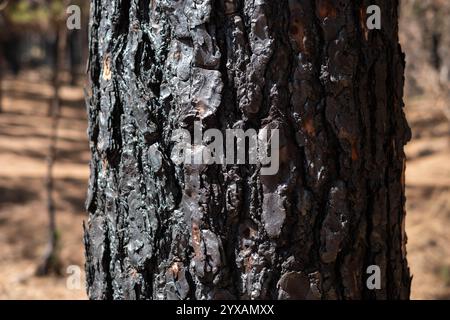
pixel 307 67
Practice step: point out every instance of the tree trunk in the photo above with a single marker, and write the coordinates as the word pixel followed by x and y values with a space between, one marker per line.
pixel 1 83
pixel 313 70
pixel 51 262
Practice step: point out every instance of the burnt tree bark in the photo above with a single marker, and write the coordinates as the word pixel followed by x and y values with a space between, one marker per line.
pixel 309 68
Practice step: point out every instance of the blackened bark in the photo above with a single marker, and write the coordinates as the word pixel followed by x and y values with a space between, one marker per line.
pixel 309 68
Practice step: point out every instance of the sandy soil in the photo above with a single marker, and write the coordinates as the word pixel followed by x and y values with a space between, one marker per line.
pixel 428 199
pixel 24 130
pixel 23 148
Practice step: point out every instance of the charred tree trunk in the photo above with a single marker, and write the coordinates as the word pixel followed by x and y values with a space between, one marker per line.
pixel 309 68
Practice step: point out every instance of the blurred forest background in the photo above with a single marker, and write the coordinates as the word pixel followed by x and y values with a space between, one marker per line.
pixel 44 152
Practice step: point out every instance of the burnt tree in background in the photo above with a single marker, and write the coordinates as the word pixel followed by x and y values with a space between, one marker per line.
pixel 309 68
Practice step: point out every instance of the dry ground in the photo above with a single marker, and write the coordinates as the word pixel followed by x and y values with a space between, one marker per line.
pixel 428 199
pixel 23 147
pixel 24 130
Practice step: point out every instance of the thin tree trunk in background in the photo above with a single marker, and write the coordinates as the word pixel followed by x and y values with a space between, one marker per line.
pixel 60 48
pixel 309 68
pixel 2 65
pixel 1 85
pixel 78 51
pixel 74 49
pixel 51 261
